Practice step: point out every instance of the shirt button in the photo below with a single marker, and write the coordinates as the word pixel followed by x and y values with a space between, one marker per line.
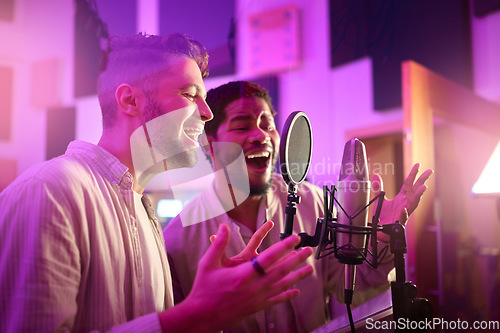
pixel 271 325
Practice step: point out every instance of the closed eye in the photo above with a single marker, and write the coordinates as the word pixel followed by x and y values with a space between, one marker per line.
pixel 191 97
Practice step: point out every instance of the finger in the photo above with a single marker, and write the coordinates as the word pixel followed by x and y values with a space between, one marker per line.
pixel 288 255
pixel 419 187
pixel 279 291
pixel 418 192
pixel 212 238
pixel 278 250
pixel 293 277
pixel 217 251
pixel 413 199
pixel 259 236
pixel 284 266
pixel 423 178
pixel 408 183
pixel 283 297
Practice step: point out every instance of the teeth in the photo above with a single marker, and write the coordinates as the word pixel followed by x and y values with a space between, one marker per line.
pixel 263 154
pixel 193 133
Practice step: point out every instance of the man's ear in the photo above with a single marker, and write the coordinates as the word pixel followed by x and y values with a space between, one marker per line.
pixel 127 99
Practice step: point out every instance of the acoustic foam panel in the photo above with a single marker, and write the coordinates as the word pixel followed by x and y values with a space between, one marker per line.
pixel 6 82
pixel 60 130
pixel 8 172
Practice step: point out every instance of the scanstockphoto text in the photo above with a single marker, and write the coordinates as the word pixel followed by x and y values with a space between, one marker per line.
pixel 432 324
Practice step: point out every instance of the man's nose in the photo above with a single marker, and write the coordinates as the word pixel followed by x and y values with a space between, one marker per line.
pixel 259 135
pixel 205 112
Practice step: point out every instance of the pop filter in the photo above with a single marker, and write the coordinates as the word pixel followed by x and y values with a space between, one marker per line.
pixel 295 158
pixel 296 148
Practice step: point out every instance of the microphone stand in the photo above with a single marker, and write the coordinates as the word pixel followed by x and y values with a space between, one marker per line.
pixel 290 210
pixel 405 306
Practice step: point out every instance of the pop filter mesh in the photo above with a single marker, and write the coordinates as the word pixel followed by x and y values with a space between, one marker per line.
pixel 298 146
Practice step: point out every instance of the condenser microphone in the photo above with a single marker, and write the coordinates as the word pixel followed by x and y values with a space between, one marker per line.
pixel 353 194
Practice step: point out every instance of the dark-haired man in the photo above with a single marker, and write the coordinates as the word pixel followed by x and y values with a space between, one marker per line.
pixel 243 115
pixel 80 247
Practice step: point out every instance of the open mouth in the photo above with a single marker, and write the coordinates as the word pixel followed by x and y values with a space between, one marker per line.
pixel 258 161
pixel 193 132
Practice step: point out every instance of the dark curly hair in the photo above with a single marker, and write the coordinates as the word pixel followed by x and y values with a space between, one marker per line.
pixel 218 99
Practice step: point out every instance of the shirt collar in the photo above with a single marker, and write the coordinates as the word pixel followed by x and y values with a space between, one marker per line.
pixel 107 164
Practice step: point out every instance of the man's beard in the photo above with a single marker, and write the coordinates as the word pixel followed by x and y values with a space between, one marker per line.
pixel 156 146
pixel 258 190
pixel 153 109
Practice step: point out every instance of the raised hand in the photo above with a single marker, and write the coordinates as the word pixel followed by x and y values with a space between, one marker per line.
pixel 250 251
pixel 408 198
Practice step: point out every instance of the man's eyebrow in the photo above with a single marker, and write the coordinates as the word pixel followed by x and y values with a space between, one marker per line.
pixel 244 116
pixel 199 90
pixel 240 117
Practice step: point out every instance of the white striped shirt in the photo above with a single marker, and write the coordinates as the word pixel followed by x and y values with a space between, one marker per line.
pixel 70 250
